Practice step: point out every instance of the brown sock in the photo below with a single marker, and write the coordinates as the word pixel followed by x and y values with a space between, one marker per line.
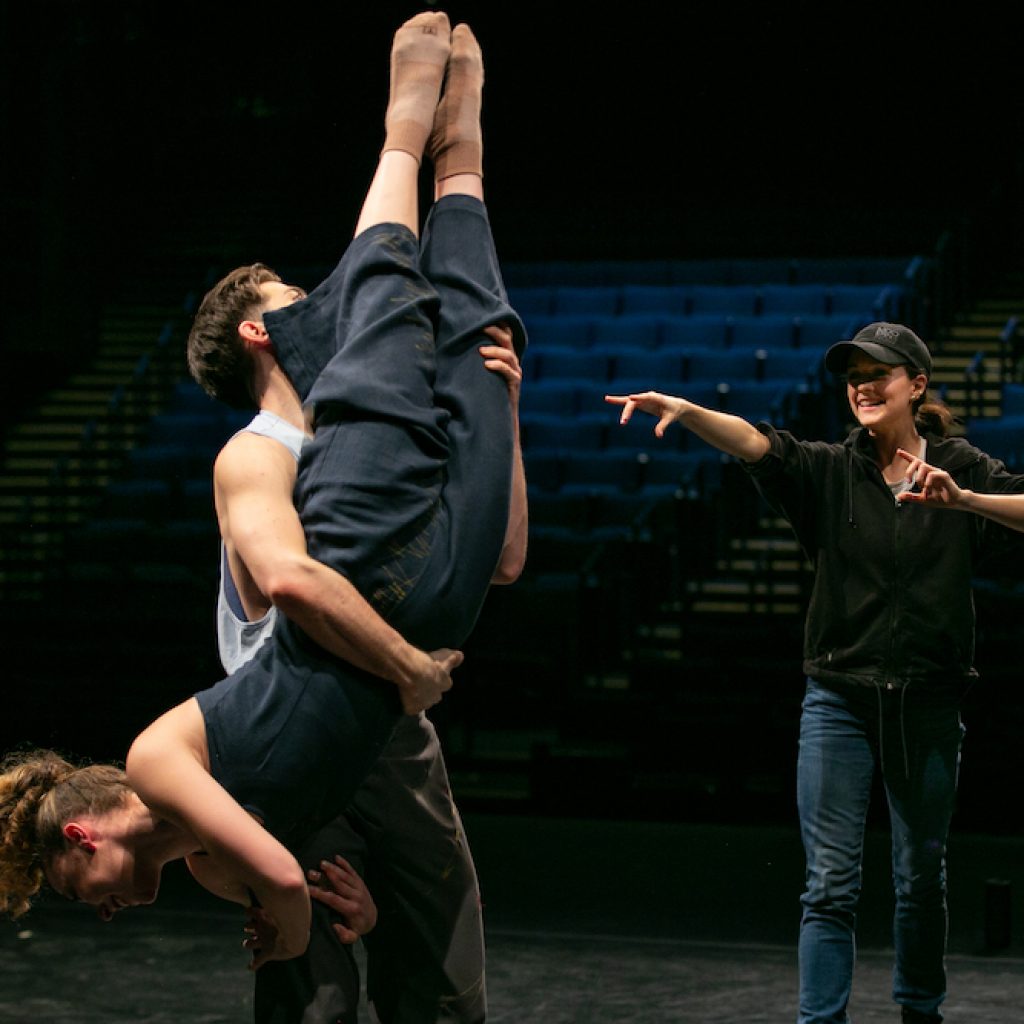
pixel 456 144
pixel 419 55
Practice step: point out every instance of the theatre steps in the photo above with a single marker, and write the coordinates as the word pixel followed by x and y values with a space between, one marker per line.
pixel 55 462
pixel 980 348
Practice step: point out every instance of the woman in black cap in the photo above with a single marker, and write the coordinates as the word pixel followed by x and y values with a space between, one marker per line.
pixel 888 646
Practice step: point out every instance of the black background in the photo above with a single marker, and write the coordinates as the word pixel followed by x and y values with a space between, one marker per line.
pixel 642 130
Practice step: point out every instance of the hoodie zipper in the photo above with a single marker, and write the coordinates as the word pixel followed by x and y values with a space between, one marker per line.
pixel 895 592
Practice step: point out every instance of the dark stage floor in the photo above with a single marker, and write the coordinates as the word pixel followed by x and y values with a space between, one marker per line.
pixel 587 921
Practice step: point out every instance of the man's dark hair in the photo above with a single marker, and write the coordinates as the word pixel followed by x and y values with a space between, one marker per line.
pixel 217 357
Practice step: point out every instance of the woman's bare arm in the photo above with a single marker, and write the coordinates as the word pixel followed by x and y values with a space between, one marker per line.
pixel 167 768
pixel 727 433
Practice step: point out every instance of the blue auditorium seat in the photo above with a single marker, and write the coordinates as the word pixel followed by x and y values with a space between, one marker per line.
pixel 795 364
pixel 771 330
pixel 559 331
pixel 1013 399
pixel 666 472
pixel 672 299
pixel 714 365
pixel 852 270
pixel 206 429
pixel 752 400
pixel 592 472
pixel 532 300
pixel 737 300
pixel 760 271
pixel 188 396
pixel 1001 437
pixel 706 271
pixel 554 510
pixel 638 271
pixel 629 331
pixel 530 364
pixel 590 397
pixel 571 364
pixel 619 513
pixel 795 298
pixel 594 300
pixel 638 434
pixel 165 462
pixel 554 397
pixel 543 470
pixel 821 332
pixel 137 498
pixel 663 369
pixel 875 301
pixel 559 433
pixel 696 331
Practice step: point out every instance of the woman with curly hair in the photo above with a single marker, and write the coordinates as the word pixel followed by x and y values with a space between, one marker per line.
pixel 43 800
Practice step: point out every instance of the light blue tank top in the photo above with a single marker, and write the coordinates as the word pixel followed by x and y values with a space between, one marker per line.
pixel 238 638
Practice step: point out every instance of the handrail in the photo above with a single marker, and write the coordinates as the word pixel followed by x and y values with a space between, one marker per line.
pixel 1008 354
pixel 974 385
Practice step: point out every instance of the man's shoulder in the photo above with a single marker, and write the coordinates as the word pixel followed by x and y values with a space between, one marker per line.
pixel 247 455
pixel 246 444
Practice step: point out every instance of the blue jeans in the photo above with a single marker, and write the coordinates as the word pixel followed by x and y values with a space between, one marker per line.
pixel 915 738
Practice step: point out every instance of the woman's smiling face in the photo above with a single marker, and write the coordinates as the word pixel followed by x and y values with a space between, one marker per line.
pixel 881 395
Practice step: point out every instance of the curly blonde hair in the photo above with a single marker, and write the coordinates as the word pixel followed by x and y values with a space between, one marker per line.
pixel 39 793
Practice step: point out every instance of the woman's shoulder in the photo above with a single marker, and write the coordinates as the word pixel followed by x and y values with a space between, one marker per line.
pixel 956 452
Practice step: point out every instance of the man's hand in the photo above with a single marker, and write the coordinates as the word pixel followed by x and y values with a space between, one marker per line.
pixel 501 358
pixel 338 886
pixel 427 679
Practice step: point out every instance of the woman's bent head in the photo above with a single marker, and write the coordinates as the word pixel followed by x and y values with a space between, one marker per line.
pixel 40 793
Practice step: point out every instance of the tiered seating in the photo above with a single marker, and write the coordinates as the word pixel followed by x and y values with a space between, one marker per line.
pixel 1002 437
pixel 741 336
pixel 158 519
pixel 878 302
pixel 741 347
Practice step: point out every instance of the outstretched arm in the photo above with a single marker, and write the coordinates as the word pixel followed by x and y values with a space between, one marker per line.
pixel 253 481
pixel 500 358
pixel 937 489
pixel 730 434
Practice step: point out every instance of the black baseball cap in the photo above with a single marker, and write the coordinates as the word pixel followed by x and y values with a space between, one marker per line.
pixel 893 344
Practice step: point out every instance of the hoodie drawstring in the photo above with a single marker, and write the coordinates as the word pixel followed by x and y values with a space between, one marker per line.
pixel 849 486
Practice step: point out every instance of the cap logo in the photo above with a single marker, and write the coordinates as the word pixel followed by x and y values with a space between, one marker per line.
pixel 887 333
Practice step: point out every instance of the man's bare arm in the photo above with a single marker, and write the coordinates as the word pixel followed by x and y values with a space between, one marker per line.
pixel 253 481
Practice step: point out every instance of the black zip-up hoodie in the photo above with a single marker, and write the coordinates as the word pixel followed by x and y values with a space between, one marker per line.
pixel 892 603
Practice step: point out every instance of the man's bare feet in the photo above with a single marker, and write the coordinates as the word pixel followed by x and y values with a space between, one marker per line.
pixel 419 56
pixel 456 142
